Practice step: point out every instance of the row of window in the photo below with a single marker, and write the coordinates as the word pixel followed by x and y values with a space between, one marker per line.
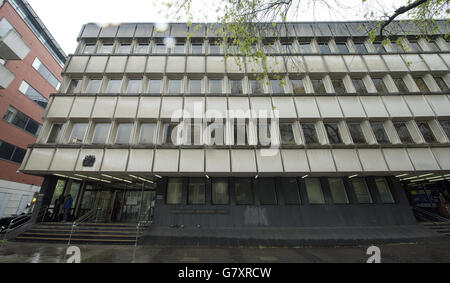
pixel 265 190
pixel 215 133
pixel 236 86
pixel 33 94
pixel 11 152
pixel 19 119
pixel 45 73
pixel 322 46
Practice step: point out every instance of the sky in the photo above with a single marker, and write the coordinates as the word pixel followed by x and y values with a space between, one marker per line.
pixel 64 18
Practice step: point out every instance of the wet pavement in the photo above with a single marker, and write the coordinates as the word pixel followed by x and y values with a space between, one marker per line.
pixel 15 252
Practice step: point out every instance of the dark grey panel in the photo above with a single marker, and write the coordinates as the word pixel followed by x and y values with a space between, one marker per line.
pixel 211 30
pixel 394 28
pixel 91 31
pixel 126 30
pixel 144 30
pixel 161 33
pixel 109 31
pixel 339 29
pixel 304 30
pixel 321 29
pixel 357 29
pixel 197 30
pixel 179 30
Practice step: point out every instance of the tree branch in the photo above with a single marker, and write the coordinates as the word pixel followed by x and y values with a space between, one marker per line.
pixel 400 11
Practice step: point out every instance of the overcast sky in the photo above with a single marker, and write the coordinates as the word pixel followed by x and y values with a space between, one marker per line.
pixel 64 18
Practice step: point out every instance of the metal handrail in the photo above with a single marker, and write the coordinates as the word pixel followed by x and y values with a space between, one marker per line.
pixel 20 219
pixel 436 216
pixel 82 219
pixel 141 222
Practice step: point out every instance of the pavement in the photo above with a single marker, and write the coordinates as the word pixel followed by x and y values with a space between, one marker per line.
pixel 427 251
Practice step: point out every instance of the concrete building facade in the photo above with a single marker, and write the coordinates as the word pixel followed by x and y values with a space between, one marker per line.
pixel 30 65
pixel 332 135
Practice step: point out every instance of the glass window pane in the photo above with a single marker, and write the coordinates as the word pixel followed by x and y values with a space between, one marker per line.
pixel 147 133
pixel 359 86
pixel 74 86
pixel 196 49
pixel 383 190
pixel 32 127
pixel 106 49
pixel 287 48
pixel 169 131
pixel 160 49
pixel 124 49
pixel 289 189
pixel 194 133
pixel 271 48
pixel 446 127
pixel 196 191
pixel 174 190
pixel 142 48
pixel 89 49
pixel 298 86
pixel 93 86
pixel 59 188
pixel 73 192
pixel 124 133
pixel 195 86
pixel 276 86
pixel 287 134
pixel 18 155
pixel 342 47
pixel 266 191
pixel 421 84
pixel 380 86
pixel 214 49
pixel 338 86
pixel 400 85
pixel 305 48
pixel 216 131
pixel 356 133
pixel 380 133
pixel 78 131
pixel 403 132
pixel 441 83
pixel 240 133
pixel 113 86
pixel 220 191
pixel 243 191
pixel 414 47
pixel 314 191
pixel 324 48
pixel 379 47
pixel 6 150
pixel 360 47
pixel 309 132
pixel 154 86
pixel 337 190
pixel 318 85
pixel 256 86
pixel 20 120
pixel 134 86
pixel 33 94
pixel 55 133
pixel 333 133
pixel 215 86
pixel 361 190
pixel 178 49
pixel 236 86
pixel 426 132
pixel 174 86
pixel 101 133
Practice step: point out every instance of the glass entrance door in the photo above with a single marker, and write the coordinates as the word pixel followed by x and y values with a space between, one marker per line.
pixel 136 205
pixel 105 199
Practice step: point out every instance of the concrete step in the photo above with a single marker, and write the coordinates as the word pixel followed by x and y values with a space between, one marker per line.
pixel 76 240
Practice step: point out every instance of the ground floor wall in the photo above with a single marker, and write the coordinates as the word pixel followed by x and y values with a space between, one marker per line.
pixel 14 197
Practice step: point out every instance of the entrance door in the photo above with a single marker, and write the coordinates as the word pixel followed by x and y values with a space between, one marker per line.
pixel 105 199
pixel 136 205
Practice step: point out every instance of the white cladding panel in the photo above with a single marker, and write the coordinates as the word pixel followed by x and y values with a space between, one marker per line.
pixel 166 160
pixel 243 161
pixel 372 160
pixel 65 159
pixel 104 107
pixel 397 159
pixel 443 157
pixel 423 159
pixel 217 160
pixel 39 159
pixel 269 160
pixel 149 107
pixel 98 153
pixel 115 160
pixel 192 160
pixel 82 107
pixel 141 160
pixel 60 107
pixel 295 160
pixel 321 160
pixel 347 160
pixel 307 107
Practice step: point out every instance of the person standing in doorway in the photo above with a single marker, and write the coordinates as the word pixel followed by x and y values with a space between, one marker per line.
pixel 58 202
pixel 67 206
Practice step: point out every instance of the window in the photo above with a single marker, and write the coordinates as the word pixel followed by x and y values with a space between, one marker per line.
pixel 256 86
pixel 154 86
pixel 93 86
pixel 170 136
pixel 356 133
pixel 106 48
pixel 134 86
pixel 19 119
pixel 219 191
pixel 289 189
pixel 264 133
pixel 240 132
pixel 124 133
pixel 305 48
pixel 403 132
pixel 379 47
pixel 384 191
pixel 174 87
pixel 236 86
pixel 215 86
pixel 124 48
pixel 101 133
pixel 243 191
pixel 214 49
pixel 5 27
pixel 142 48
pixel 287 134
pixel 337 189
pixel 309 132
pixel 11 152
pixel 78 132
pixel 414 47
pixel 174 189
pixel 361 191
pixel 421 84
pixel 89 49
pixel 314 191
pixel 333 133
pixel 33 94
pixel 379 132
pixel 266 191
pixel 359 86
pixel 196 191
pixel 339 86
pixel 196 49
pixel 287 48
pixel 159 49
pixel 318 85
pixel 446 127
pixel 277 86
pixel 147 133
pixel 114 86
pixel 216 133
pixel 324 48
pixel 426 132
pixel 55 133
pixel 195 133
pixel 380 86
pixel 441 83
pixel 360 47
pixel 178 49
pixel 342 47
pixel 400 85
pixel 74 86
pixel 45 73
pixel 195 86
pixel 434 47
pixel 298 86
pixel 271 47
